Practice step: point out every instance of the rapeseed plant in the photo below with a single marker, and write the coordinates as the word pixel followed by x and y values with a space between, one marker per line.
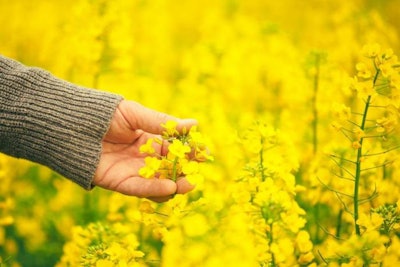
pixel 184 153
pixel 372 144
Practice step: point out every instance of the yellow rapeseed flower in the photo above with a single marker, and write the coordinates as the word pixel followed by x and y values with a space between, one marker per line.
pixel 147 147
pixel 178 149
pixel 146 207
pixel 363 88
pixel 104 263
pixel 370 222
pixel 191 170
pixel 170 128
pixel 151 167
pixel 371 50
pixel 341 111
pixel 355 145
pixel 195 225
pixel 363 70
pixel 303 241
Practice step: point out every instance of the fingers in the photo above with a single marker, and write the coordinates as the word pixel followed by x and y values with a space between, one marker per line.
pixel 148 188
pixel 158 190
pixel 183 186
pixel 149 120
pixel 160 199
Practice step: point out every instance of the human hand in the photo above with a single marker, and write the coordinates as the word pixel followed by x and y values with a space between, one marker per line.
pixel 120 160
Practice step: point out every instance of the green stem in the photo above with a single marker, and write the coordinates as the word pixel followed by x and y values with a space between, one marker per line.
pixel 314 103
pixel 261 163
pixel 271 239
pixel 174 170
pixel 358 168
pixel 358 161
pixel 339 223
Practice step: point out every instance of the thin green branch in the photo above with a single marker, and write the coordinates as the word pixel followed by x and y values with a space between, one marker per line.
pixel 343 159
pixel 328 233
pixel 346 209
pixel 334 190
pixel 342 130
pixel 356 113
pixel 359 157
pixel 343 168
pixel 368 199
pixel 342 177
pixel 377 106
pixel 322 257
pixel 358 171
pixel 347 130
pixel 355 124
pixel 379 166
pixel 314 102
pixel 382 152
pixel 261 163
pixel 374 136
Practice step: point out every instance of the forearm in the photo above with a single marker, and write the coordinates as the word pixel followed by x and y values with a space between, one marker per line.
pixel 53 122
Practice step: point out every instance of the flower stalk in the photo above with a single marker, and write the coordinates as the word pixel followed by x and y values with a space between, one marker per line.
pixel 359 160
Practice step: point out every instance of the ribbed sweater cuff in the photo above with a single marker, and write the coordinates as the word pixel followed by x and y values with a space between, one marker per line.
pixel 52 122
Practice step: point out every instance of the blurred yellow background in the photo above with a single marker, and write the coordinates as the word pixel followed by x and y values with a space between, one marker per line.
pixel 246 70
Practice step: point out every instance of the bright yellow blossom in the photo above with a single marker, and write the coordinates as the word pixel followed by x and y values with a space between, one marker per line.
pixel 370 223
pixel 363 88
pixel 170 128
pixel 151 167
pixel 304 242
pixel 363 71
pixel 148 147
pixel 178 149
pixel 306 258
pixel 356 145
pixel 371 50
pixel 145 206
pixel 190 167
pixel 195 225
pixel 341 111
pixel 104 263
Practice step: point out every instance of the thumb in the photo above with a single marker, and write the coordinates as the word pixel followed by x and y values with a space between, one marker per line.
pixel 149 120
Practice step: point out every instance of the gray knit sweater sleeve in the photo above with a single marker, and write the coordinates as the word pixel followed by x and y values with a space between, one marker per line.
pixel 53 122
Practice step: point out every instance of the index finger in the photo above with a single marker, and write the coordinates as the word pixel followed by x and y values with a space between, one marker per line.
pixel 149 120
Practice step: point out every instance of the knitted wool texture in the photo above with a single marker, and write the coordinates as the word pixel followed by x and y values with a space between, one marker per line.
pixel 53 122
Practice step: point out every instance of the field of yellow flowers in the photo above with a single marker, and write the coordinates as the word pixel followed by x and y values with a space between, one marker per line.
pixel 299 102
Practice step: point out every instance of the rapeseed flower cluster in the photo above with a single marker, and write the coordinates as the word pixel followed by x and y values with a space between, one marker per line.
pixel 375 84
pixel 6 206
pixel 184 153
pixel 6 201
pixel 102 246
pixel 266 194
